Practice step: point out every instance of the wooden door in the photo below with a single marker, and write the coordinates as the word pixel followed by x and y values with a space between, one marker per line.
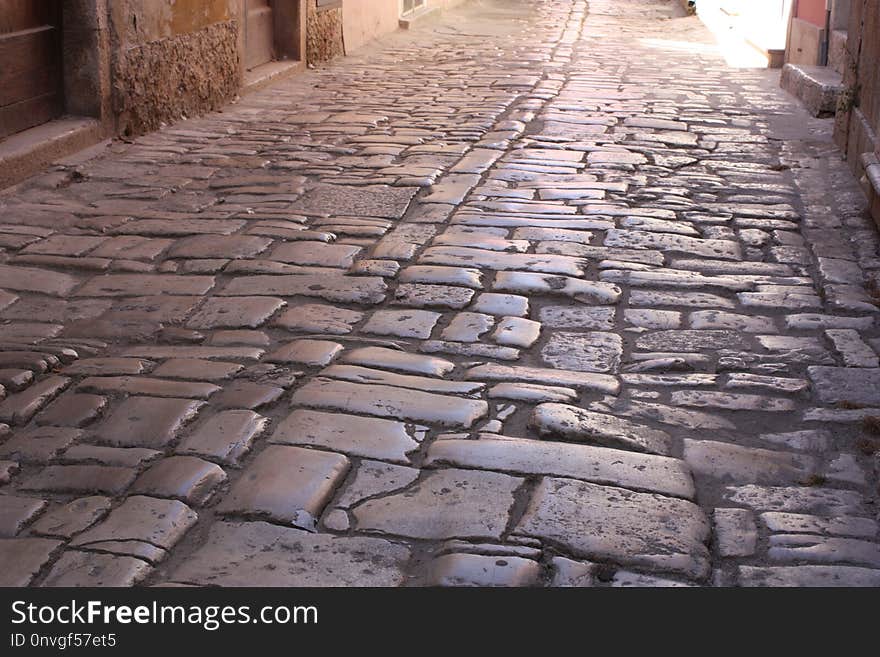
pixel 30 64
pixel 259 33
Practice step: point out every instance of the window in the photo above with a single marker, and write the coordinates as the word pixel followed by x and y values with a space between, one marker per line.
pixel 409 6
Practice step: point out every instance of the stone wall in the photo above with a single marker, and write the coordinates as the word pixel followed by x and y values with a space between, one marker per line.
pixel 86 57
pixel 324 39
pixel 364 20
pixel 858 117
pixel 804 43
pixel 171 58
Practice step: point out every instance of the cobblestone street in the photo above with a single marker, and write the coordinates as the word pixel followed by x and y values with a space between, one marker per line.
pixel 540 294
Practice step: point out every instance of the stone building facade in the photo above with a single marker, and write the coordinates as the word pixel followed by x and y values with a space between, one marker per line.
pixel 817 32
pixel 833 66
pixel 858 115
pixel 169 60
pixel 73 72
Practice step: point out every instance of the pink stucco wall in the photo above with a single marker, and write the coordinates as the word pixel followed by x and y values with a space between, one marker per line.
pixel 812 11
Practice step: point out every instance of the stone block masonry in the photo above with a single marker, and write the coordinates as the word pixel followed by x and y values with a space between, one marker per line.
pixel 162 81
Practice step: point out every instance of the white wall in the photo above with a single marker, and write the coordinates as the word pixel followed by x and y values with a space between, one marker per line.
pixel 364 20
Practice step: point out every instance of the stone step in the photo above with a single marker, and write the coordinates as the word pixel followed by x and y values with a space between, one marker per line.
pixel 818 87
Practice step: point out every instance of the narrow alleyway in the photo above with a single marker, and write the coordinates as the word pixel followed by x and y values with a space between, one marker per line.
pixel 539 294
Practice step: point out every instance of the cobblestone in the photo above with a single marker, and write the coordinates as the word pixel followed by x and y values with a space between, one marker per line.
pixel 109 479
pixel 73 517
pixel 818 576
pixel 73 410
pixel 148 386
pixel 594 464
pixel 445 504
pixel 247 395
pixel 260 554
pixel 479 570
pixel 23 559
pixel 736 532
pixel 308 353
pixel 20 408
pixel 290 485
pixel 249 312
pixel 630 277
pixel 402 323
pixel 549 376
pixel 799 548
pixel 568 573
pixel 854 386
pixel 376 478
pixel 186 478
pixel 573 423
pixel 398 360
pixel 146 422
pixel 799 523
pixel 350 434
pixel 38 444
pixel 584 352
pixel 78 568
pixel 142 527
pixel 747 464
pixel 367 375
pixel 610 523
pixel 224 437
pixel 16 512
pixel 127 457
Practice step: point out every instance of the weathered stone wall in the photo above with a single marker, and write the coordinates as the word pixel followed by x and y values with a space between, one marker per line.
pixel 858 118
pixel 324 39
pixel 86 53
pixel 171 58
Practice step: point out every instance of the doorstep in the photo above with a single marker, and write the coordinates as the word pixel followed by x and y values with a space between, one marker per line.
pixel 29 152
pixel 265 74
pixel 418 17
pixel 871 164
pixel 818 87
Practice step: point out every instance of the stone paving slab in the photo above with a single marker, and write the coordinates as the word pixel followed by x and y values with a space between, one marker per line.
pixel 611 523
pixel 260 554
pixel 446 504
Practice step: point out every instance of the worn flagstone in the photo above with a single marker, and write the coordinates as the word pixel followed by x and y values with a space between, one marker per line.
pixel 547 294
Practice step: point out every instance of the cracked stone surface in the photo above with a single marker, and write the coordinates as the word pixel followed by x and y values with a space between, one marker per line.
pixel 350 434
pixel 611 523
pixel 290 485
pixel 78 568
pixel 143 527
pixel 260 554
pixel 446 504
pixel 584 307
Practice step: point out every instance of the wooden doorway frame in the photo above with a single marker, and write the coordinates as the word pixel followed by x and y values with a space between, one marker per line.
pixel 31 77
pixel 289 27
pixel 84 60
